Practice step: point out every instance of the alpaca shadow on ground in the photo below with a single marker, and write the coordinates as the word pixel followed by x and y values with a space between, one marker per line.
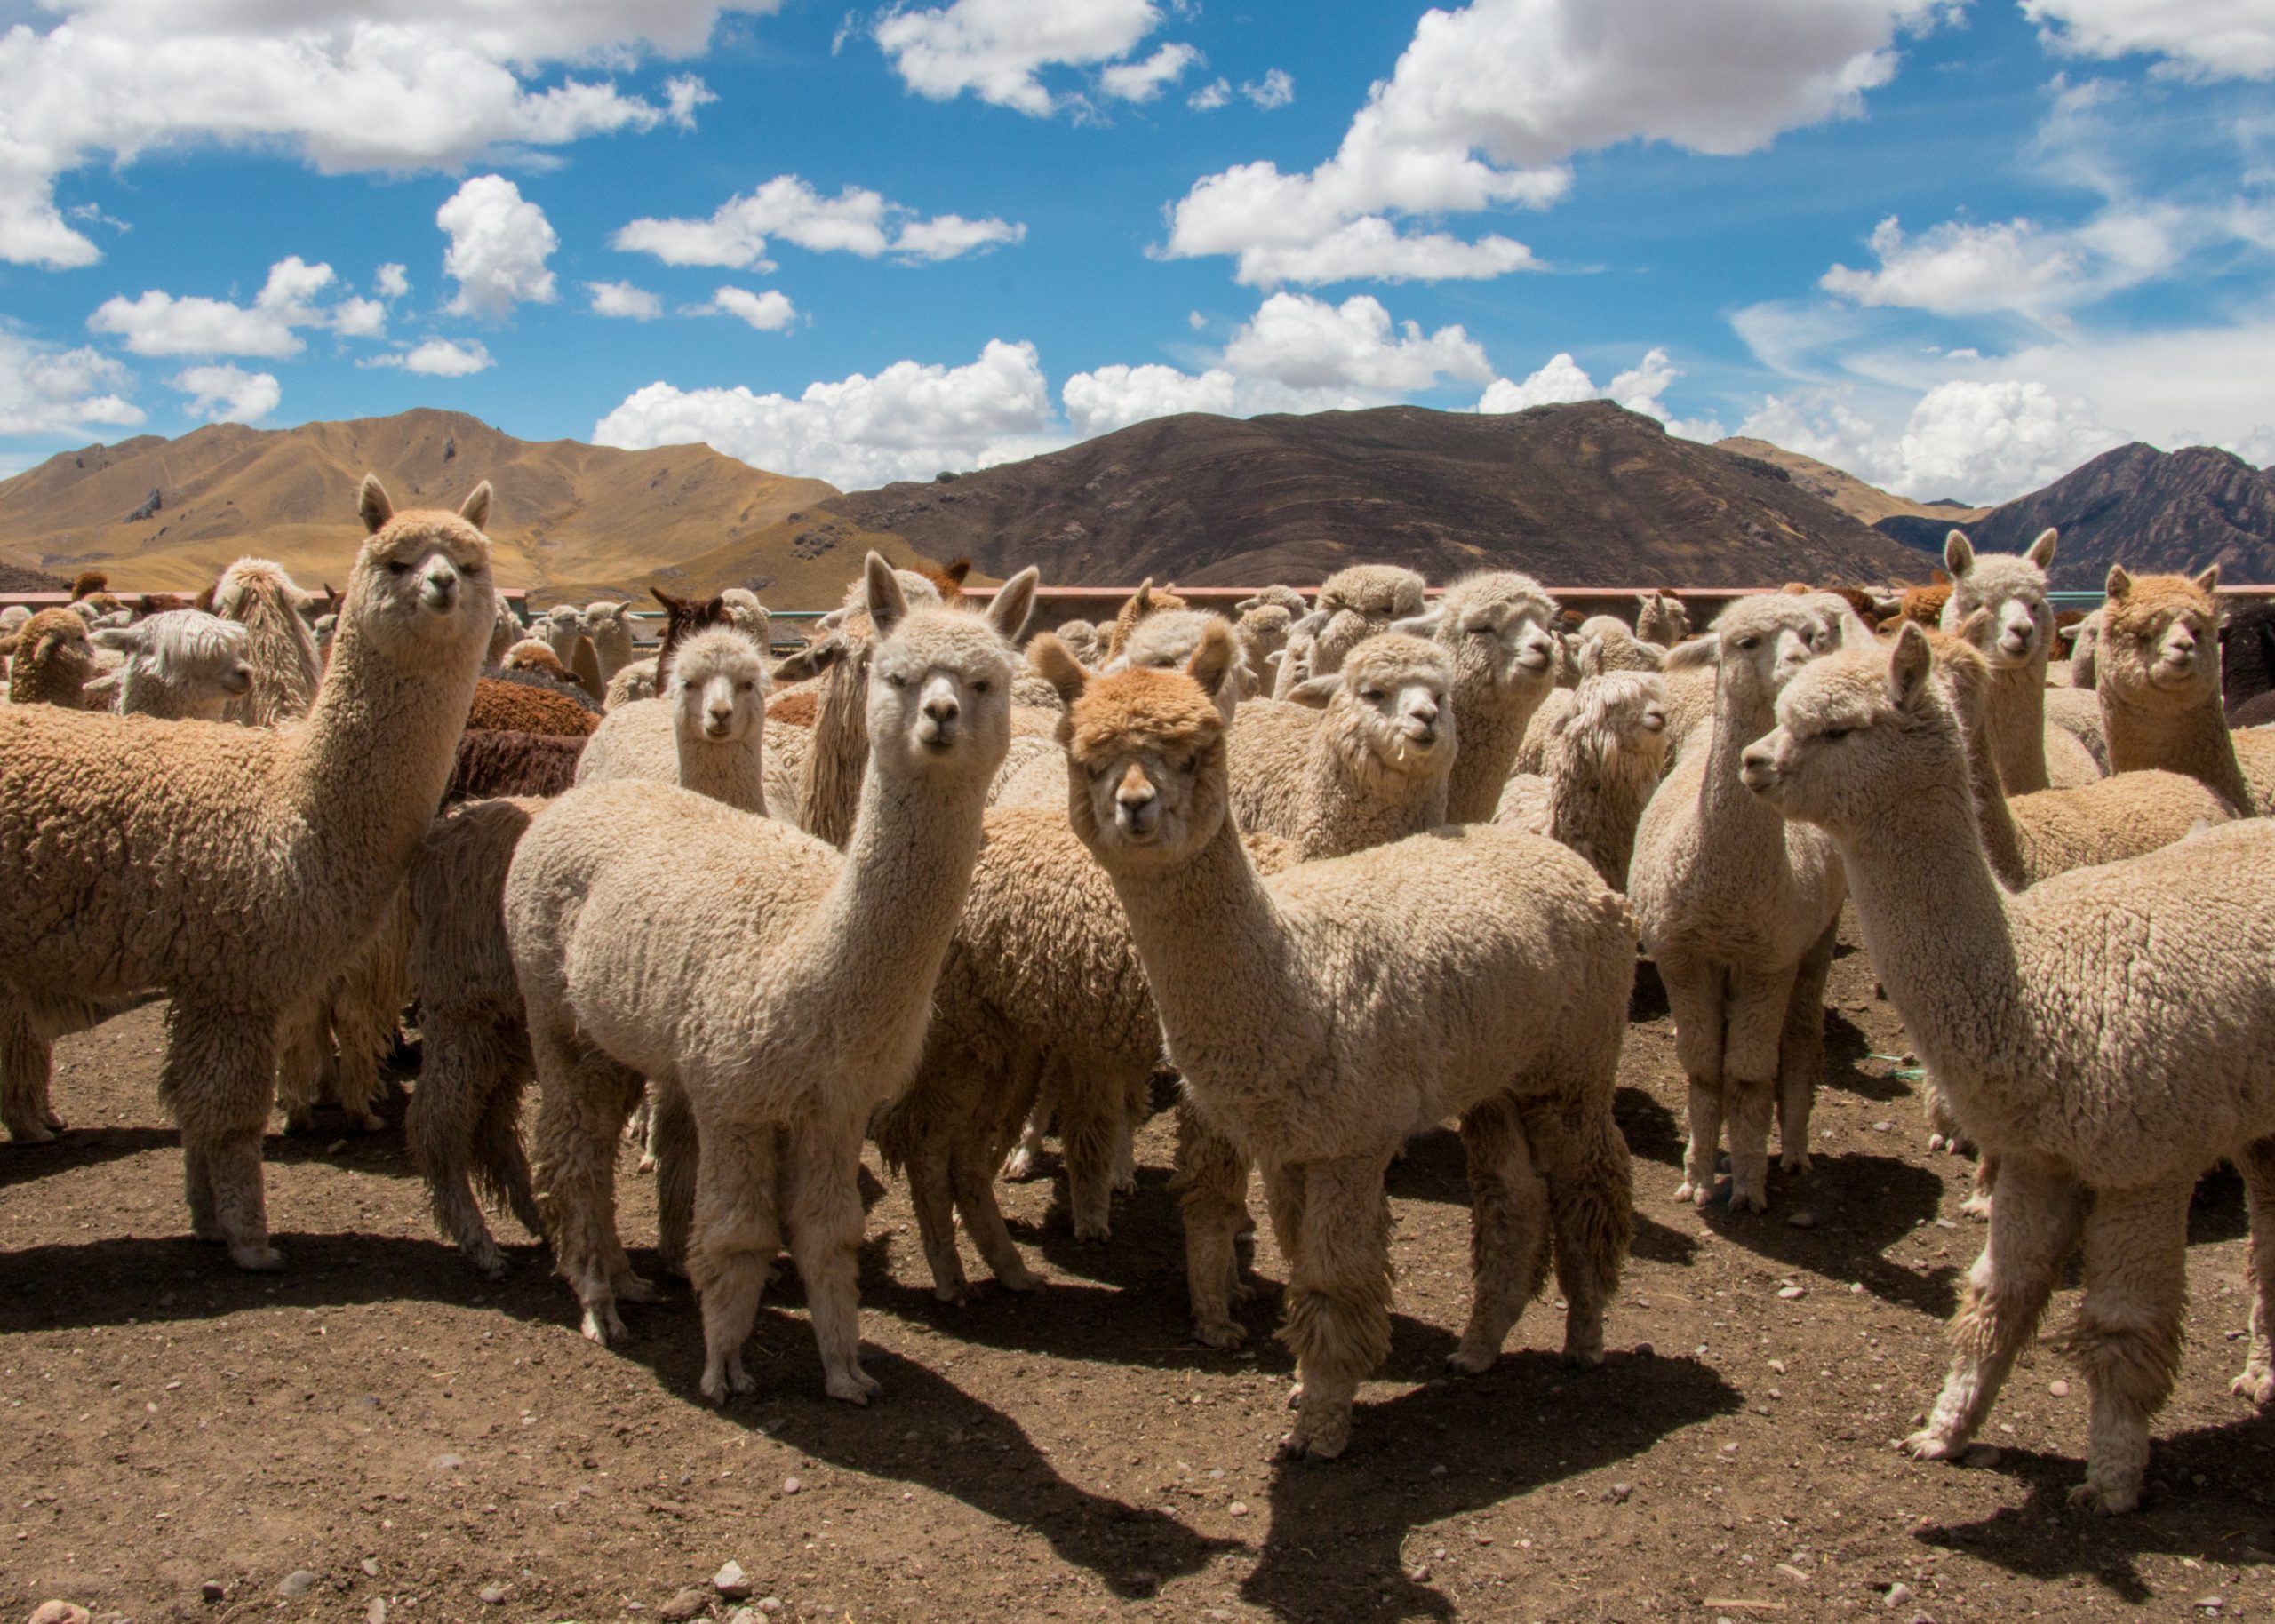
pixel 1647 999
pixel 1653 1132
pixel 1339 1530
pixel 76 1148
pixel 1862 1205
pixel 2218 1211
pixel 2221 1519
pixel 1847 1051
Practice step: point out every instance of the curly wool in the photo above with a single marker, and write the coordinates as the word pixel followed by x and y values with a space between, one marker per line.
pixel 181 664
pixel 496 762
pixel 49 660
pixel 286 668
pixel 517 708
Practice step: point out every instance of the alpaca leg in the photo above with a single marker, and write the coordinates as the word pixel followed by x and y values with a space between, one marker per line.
pixel 2035 1227
pixel 27 1062
pixel 583 1099
pixel 301 1046
pixel 2128 1333
pixel 929 1162
pixel 1211 1183
pixel 1019 1167
pixel 673 1146
pixel 1695 999
pixel 500 1162
pixel 440 1127
pixel 1750 1048
pixel 823 1203
pixel 1136 1110
pixel 1978 1204
pixel 218 1079
pixel 367 1015
pixel 1092 1117
pixel 971 1173
pixel 736 1231
pixel 1591 1214
pixel 1338 1297
pixel 1800 1053
pixel 1508 1232
pixel 2257 1382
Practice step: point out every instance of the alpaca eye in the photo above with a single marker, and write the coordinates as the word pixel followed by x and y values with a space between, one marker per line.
pixel 397 567
pixel 1372 695
pixel 1749 642
pixel 897 680
pixel 981 687
pixel 1835 733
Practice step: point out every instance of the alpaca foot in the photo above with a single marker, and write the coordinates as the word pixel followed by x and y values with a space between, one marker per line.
pixel 1697 1194
pixel 603 1324
pixel 1020 1278
pixel 1937 1142
pixel 366 1121
pixel 646 1164
pixel 2256 1384
pixel 1220 1334
pixel 1927 1444
pixel 723 1375
pixel 853 1384
pixel 1318 1436
pixel 1125 1181
pixel 1019 1167
pixel 635 1288
pixel 1977 1206
pixel 1747 1200
pixel 1094 1230
pixel 256 1256
pixel 1468 1361
pixel 488 1262
pixel 1584 1350
pixel 1794 1161
pixel 2111 1496
pixel 31 1132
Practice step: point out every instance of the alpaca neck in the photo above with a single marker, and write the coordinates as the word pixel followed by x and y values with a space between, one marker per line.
pixel 1349 806
pixel 1743 824
pixel 1994 820
pixel 1490 733
pixel 2017 719
pixel 830 778
pixel 1595 802
pixel 729 772
pixel 2195 742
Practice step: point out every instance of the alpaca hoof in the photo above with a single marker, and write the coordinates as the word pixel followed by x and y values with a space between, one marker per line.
pixel 1584 1352
pixel 490 1265
pixel 1977 1206
pixel 367 1122
pixel 1687 1191
pixel 1095 1232
pixel 1929 1444
pixel 955 1293
pixel 1125 1184
pixel 256 1257
pixel 1019 1167
pixel 2256 1384
pixel 646 1164
pixel 1242 1291
pixel 853 1385
pixel 1219 1333
pixel 1295 1397
pixel 1937 1142
pixel 1794 1161
pixel 1471 1361
pixel 2105 1499
pixel 603 1324
pixel 722 1377
pixel 31 1132
pixel 1318 1438
pixel 1748 1201
pixel 1022 1279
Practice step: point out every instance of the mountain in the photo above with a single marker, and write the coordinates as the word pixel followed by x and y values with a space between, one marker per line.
pixel 1866 504
pixel 1579 495
pixel 570 520
pixel 2153 511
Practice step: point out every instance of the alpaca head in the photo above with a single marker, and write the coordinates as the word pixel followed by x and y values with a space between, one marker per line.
pixel 200 656
pixel 1390 708
pixel 1146 786
pixel 2160 647
pixel 1661 619
pixel 939 694
pixel 2012 588
pixel 56 644
pixel 717 686
pixel 1857 728
pixel 1619 718
pixel 1282 597
pixel 1762 641
pixel 1355 603
pixel 742 610
pixel 250 582
pixel 420 590
pixel 1166 639
pixel 1082 636
pixel 1500 628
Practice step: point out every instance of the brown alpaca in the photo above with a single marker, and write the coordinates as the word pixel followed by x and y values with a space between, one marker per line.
pixel 2157 669
pixel 515 708
pixel 49 660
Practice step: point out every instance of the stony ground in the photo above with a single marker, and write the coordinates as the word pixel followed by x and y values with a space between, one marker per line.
pixel 388 1437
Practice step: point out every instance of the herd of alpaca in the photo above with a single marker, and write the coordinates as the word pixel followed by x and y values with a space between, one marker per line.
pixel 1350 866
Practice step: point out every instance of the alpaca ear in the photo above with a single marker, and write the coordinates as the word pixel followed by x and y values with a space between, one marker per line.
pixel 1908 664
pixel 957 570
pixel 1590 660
pixel 1958 554
pixel 1423 625
pixel 1056 664
pixel 1312 623
pixel 1216 659
pixel 888 605
pixel 1142 600
pixel 2042 550
pixel 2120 585
pixel 1694 654
pixel 1314 692
pixel 1014 602
pixel 125 639
pixel 1975 629
pixel 2209 580
pixel 371 502
pixel 809 661
pixel 475 509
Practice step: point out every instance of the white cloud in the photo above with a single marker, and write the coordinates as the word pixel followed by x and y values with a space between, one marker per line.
pixel 1276 89
pixel 1107 398
pixel 683 95
pixel 1960 269
pixel 1972 441
pixel 1143 81
pixel 910 421
pixel 2208 39
pixel 225 393
pixel 621 298
pixel 416 85
pixel 1559 382
pixel 47 391
pixel 996 49
pixel 159 324
pixel 391 281
pixel 769 312
pixel 439 358
pixel 856 222
pixel 1562 381
pixel 1210 96
pixel 1488 101
pixel 499 243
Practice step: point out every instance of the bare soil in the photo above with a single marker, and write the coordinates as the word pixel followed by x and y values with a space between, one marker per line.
pixel 412 1436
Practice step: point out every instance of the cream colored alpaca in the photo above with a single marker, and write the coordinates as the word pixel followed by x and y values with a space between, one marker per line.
pixel 2035 737
pixel 1661 619
pixel 706 732
pixel 282 650
pixel 1740 911
pixel 1500 628
pixel 1322 1016
pixel 236 869
pixel 1354 604
pixel 2103 1105
pixel 611 634
pixel 781 986
pixel 2158 678
pixel 1603 766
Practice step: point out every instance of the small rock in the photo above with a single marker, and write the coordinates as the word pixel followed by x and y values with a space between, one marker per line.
pixel 298 1582
pixel 688 1603
pixel 59 1612
pixel 731 1582
pixel 1438 1470
pixel 370 1566
pixel 770 1604
pixel 1239 1507
pixel 1778 1365
pixel 2060 1390
pixel 1620 1492
pixel 211 1591
pixel 1883 1127
pixel 791 1485
pixel 377 1612
pixel 448 1463
pixel 1897 1594
pixel 743 1615
pixel 1791 1292
pixel 2202 1604
pixel 1980 1455
pixel 490 1596
pixel 1419 1573
pixel 1801 1221
pixel 1856 1288
pixel 1644 1350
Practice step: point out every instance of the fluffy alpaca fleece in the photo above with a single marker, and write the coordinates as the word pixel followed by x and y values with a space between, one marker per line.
pixel 1739 911
pixel 2033 747
pixel 1083 637
pixel 535 655
pixel 611 634
pixel 636 682
pixel 705 733
pixel 1147 601
pixel 2084 650
pixel 289 844
pixel 1263 631
pixel 1322 1015
pixel 515 707
pixel 49 660
pixel 1500 629
pixel 1603 765
pixel 1373 767
pixel 1617 649
pixel 1661 619
pixel 492 763
pixel 183 664
pixel 1353 604
pixel 282 650
pixel 2158 682
pixel 742 610
pixel 2102 1106
pixel 779 986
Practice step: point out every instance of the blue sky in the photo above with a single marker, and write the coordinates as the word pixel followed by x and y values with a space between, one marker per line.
pixel 1954 245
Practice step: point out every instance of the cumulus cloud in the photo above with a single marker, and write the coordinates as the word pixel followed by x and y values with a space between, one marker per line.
pixel 1973 441
pixel 391 281
pixel 1143 81
pixel 1488 101
pixel 997 49
pixel 45 390
pixel 439 358
pixel 225 393
pixel 1276 89
pixel 160 324
pixel 856 222
pixel 1562 381
pixel 909 421
pixel 1559 382
pixel 499 243
pixel 1961 269
pixel 769 312
pixel 2207 39
pixel 621 298
pixel 420 84
pixel 1107 398
pixel 1210 96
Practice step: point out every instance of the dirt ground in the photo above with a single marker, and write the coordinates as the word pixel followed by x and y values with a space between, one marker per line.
pixel 415 1440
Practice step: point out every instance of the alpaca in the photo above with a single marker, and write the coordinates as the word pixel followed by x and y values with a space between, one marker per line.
pixel 1263 631
pixel 505 631
pixel 559 629
pixel 611 636
pixel 742 610
pixel 2158 683
pixel 182 663
pixel 49 660
pixel 1083 636
pixel 1281 597
pixel 1617 648
pixel 656 933
pixel 1322 1016
pixel 2103 1106
pixel 2031 742
pixel 2085 650
pixel 492 763
pixel 283 842
pixel 1603 765
pixel 517 708
pixel 1499 627
pixel 1354 603
pixel 1661 619
pixel 1739 912
pixel 1146 601
pixel 704 734
pixel 278 642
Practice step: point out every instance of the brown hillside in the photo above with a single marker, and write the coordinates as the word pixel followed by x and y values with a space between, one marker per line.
pixel 1578 495
pixel 571 521
pixel 1865 504
pixel 2151 511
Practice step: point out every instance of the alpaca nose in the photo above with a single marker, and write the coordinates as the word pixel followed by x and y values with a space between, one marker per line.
pixel 1759 767
pixel 237 679
pixel 718 718
pixel 937 725
pixel 1136 804
pixel 1421 722
pixel 441 590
